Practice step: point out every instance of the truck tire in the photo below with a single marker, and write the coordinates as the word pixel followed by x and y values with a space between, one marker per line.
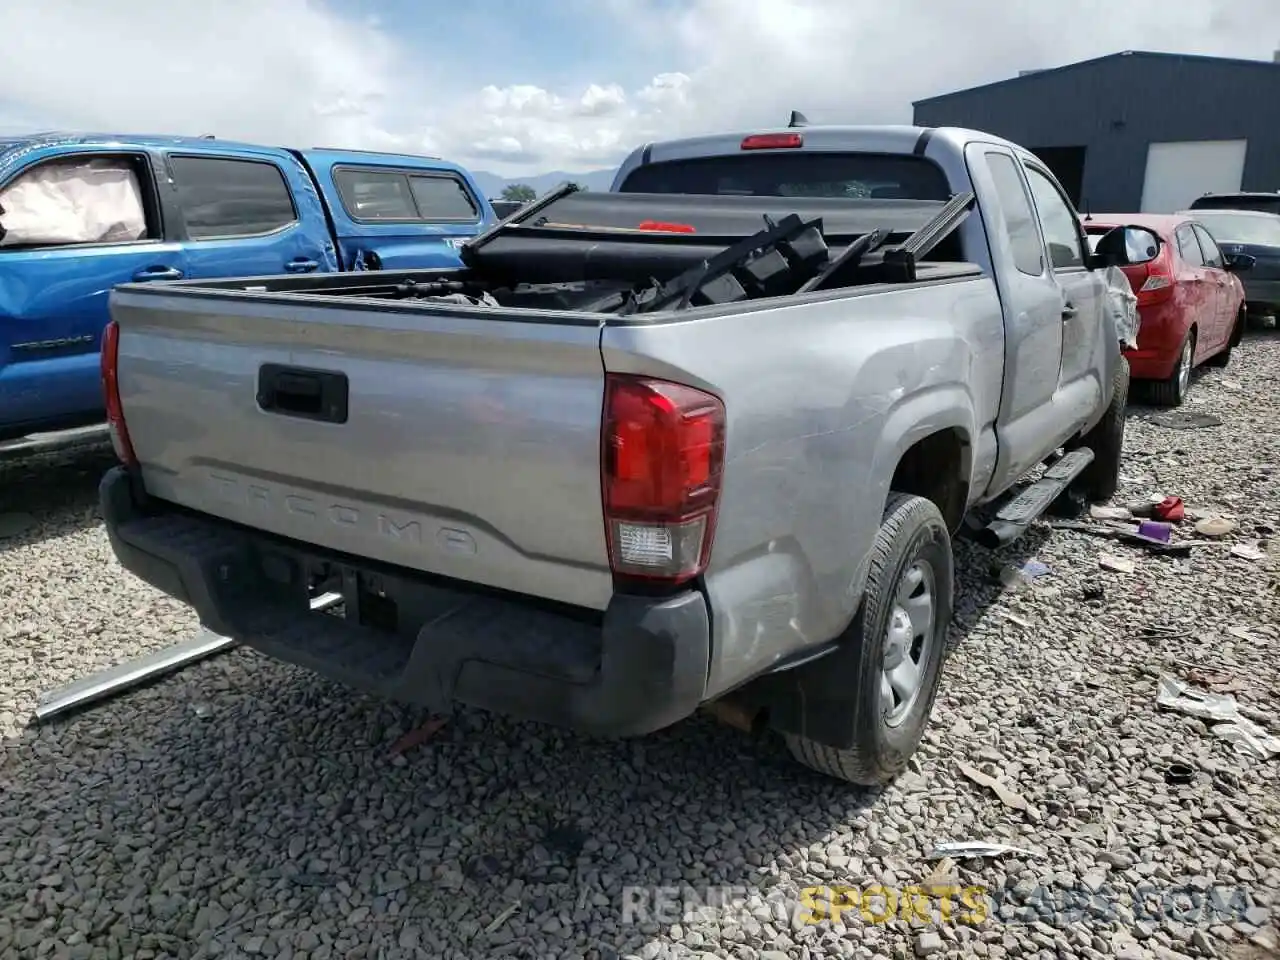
pixel 1101 479
pixel 1173 391
pixel 905 612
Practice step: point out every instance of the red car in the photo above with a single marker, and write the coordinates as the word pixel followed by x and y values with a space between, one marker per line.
pixel 1190 304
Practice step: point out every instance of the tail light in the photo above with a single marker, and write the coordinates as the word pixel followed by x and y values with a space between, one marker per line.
pixel 663 457
pixel 1157 287
pixel 111 388
pixel 772 141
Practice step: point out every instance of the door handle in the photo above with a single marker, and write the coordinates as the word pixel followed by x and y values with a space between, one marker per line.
pixel 157 273
pixel 1069 310
pixel 301 265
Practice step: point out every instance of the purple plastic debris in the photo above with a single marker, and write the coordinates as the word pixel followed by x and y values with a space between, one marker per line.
pixel 1155 530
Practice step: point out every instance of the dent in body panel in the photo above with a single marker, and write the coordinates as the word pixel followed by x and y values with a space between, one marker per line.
pixel 821 399
pixel 312 210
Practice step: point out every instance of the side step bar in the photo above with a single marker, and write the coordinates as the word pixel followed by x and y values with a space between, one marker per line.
pixel 1016 516
pixel 35 442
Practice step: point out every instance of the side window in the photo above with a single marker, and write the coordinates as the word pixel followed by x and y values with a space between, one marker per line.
pixel 1019 220
pixel 442 198
pixel 1208 246
pixel 1188 248
pixel 1060 223
pixel 375 194
pixel 223 198
pixel 78 200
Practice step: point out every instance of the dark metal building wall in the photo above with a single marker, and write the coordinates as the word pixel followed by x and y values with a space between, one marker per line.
pixel 1117 105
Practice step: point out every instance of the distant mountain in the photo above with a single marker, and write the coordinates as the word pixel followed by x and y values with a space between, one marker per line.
pixel 493 185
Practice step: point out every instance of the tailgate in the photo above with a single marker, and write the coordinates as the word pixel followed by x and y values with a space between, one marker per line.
pixel 470 447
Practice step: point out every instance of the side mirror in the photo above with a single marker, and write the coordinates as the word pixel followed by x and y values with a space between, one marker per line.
pixel 1235 262
pixel 1125 247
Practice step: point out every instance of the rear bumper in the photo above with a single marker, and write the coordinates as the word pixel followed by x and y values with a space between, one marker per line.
pixel 1161 330
pixel 638 668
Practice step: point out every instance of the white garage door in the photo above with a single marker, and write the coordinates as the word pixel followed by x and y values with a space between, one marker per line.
pixel 1177 173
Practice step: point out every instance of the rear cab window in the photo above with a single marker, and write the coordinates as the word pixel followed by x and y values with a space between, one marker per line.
pixel 374 195
pixel 810 173
pixel 223 198
pixel 80 200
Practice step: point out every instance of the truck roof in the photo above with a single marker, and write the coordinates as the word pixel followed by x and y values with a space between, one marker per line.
pixel 885 138
pixel 35 141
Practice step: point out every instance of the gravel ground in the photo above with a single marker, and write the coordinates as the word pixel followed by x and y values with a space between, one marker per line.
pixel 248 808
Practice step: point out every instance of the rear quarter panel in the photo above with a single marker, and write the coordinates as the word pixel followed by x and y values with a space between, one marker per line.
pixel 821 398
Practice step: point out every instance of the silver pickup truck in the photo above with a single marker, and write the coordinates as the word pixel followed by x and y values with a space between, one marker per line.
pixel 701 440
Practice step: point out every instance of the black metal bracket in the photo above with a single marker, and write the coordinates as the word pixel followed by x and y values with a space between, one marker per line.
pixel 467 250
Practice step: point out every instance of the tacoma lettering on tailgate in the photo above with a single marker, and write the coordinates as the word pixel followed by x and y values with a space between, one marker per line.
pixel 400 529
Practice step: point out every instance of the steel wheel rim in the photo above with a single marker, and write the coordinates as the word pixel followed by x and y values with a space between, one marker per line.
pixel 908 641
pixel 1184 367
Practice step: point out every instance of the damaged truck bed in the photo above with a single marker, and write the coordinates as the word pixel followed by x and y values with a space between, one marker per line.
pixel 642 452
pixel 632 254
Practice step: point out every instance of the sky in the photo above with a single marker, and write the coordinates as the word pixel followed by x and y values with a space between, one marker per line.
pixel 521 88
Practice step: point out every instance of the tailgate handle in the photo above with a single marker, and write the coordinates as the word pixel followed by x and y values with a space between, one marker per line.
pixel 297 392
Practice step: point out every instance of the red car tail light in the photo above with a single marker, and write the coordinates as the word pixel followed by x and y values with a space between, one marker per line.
pixel 662 462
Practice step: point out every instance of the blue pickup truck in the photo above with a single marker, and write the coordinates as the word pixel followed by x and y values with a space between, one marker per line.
pixel 82 213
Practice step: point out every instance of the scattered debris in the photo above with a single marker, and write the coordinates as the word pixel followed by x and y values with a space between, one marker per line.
pixel 1109 561
pixel 1170 510
pixel 1214 526
pixel 1129 536
pixel 1094 591
pixel 1223 712
pixel 943 872
pixel 1155 530
pixel 1010 798
pixel 1013 618
pixel 1254 550
pixel 1101 511
pixel 1184 420
pixel 975 848
pixel 418 736
pixel 1178 774
pixel 502 918
pixel 1160 631
pixel 1215 680
pixel 1021 575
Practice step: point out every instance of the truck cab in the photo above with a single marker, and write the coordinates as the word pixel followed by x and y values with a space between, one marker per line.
pixel 82 213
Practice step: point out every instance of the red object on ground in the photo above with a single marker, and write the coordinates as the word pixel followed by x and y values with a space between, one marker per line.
pixel 1184 289
pixel 660 226
pixel 1170 510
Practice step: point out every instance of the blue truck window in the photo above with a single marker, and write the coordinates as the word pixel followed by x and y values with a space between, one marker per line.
pixel 223 198
pixel 375 194
pixel 443 198
pixel 394 195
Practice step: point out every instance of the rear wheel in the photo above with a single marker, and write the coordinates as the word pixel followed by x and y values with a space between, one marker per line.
pixel 897 643
pixel 1173 391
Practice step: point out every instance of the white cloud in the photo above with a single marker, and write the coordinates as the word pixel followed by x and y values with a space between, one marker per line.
pixel 294 71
